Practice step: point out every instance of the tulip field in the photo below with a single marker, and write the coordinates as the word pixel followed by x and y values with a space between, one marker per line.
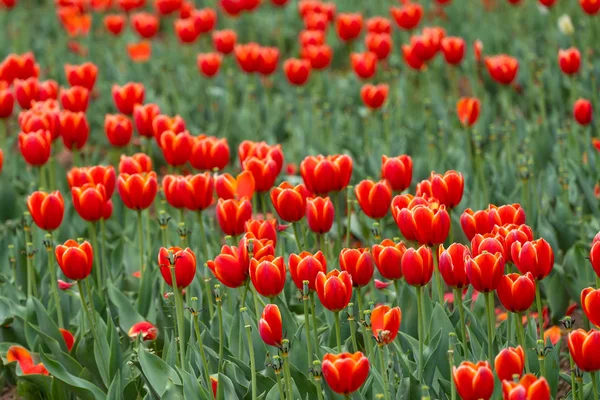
pixel 299 199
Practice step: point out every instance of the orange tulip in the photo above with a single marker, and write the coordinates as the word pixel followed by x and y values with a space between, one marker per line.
pixel 139 52
pixel 75 99
pixel 82 75
pixel 474 381
pixel 25 361
pixel 510 362
pixel 268 275
pixel 345 373
pixel 46 209
pixel 305 267
pixel 102 174
pixel 240 187
pixel 163 123
pixel 261 150
pixel 319 214
pixel 584 347
pixel 374 198
pixel 334 289
pixel 232 215
pixel 135 164
pixel 184 262
pixel 467 110
pixel 137 191
pixel 536 257
pixel 529 387
pixel 75 260
pixel 264 171
pixel 144 329
pixel 90 202
pixel 485 271
pixel 388 258
pixel 262 229
pixel 590 300
pixel 322 175
pixel 385 323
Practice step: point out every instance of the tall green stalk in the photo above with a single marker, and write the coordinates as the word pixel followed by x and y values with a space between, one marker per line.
pixel 520 331
pixel 286 368
pixel 461 312
pixel 54 282
pixel 97 265
pixel 538 301
pixel 252 361
pixel 338 333
pixel 305 300
pixel 180 318
pixel 219 302
pixel 297 235
pixel 490 325
pixel 202 353
pixel 420 323
pixel 314 324
pixel 211 307
pixel 594 385
pixel 386 393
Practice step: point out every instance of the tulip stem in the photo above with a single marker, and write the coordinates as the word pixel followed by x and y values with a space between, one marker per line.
pixel 54 283
pixel 520 331
pixel 279 385
pixel 594 385
pixel 220 314
pixel 211 307
pixel 349 216
pixel 398 286
pixel 91 301
pixel 597 282
pixel 384 373
pixel 103 248
pixel 97 265
pixel 574 391
pixel 30 271
pixel 179 314
pixel 252 361
pixel 297 236
pixel 461 312
pixel 538 301
pixel 141 241
pixel 490 325
pixel 438 277
pixel 202 353
pixel 420 322
pixel 307 328
pixel 321 237
pixel 338 219
pixel 84 309
pixel 338 333
pixel 287 374
pixel 314 324
pixel 319 388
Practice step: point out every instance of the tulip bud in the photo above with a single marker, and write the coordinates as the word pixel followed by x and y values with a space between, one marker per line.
pixel 75 260
pixel 474 381
pixel 345 373
pixel 184 262
pixel 334 289
pixel 509 363
pixel 516 292
pixel 270 326
pixel 385 323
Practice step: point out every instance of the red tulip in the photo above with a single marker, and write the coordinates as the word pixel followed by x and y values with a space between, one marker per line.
pixel 388 258
pixel 334 289
pixel 247 56
pixel 364 64
pixel 46 209
pixel 7 100
pixel 584 347
pixel 379 44
pixel 485 271
pixel 163 123
pixel 262 229
pixel 452 265
pixel 348 26
pixel 482 222
pixel 241 187
pixel 224 41
pixel 569 60
pixel 510 362
pixel 139 52
pixel 408 16
pixel 205 19
pixel 268 58
pixel 24 359
pixel 209 153
pixel 268 275
pixel 232 215
pixel 397 171
pixel 91 202
pixel 47 90
pixel 74 129
pixel 231 266
pixel 425 225
pixel 373 96
pixel 114 23
pixel 474 381
pixel 590 7
pixel 35 146
pixel 75 260
pixel 186 30
pixel 322 175
pixel 513 233
pixel 359 264
pixel 319 214
pixel 26 91
pixel 316 21
pixel 305 267
pixel 297 71
pixel 311 38
pixel 447 188
pixel 502 68
pixel 467 110
pixel 166 7
pixel 270 326
pixel 118 129
pixel 516 293
pixel 209 63
pixel 590 299
pixel 582 111
pixel 261 150
pixel 264 172
pixel 409 201
pixel 184 262
pixel 453 49
pixel 374 198
pixel 176 147
pixel 345 373
pixel 319 56
pixel 193 192
pixel 135 164
pixel 488 242
pixel 595 256
pixel 74 99
pixel 82 75
pixel 145 24
pixel 36 119
pixel 290 201
pixel 144 329
pixel 536 257
pixel 385 323
pixel 379 25
pixel 411 58
pixel 129 5
pixel 138 190
pixel 104 175
pixel 127 96
pixel 529 387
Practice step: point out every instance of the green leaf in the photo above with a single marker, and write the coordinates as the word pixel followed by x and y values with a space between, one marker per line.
pixel 82 388
pixel 147 290
pixel 225 389
pixel 128 316
pixel 158 373
pixel 114 391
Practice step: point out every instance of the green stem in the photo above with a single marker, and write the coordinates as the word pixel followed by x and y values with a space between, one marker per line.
pixel 594 385
pixel 359 299
pixel 245 293
pixel 349 216
pixel 508 328
pixel 97 265
pixel 211 307
pixel 420 322
pixel 319 388
pixel 288 375
pixel 51 172
pixel 597 282
pixel 30 271
pixel 307 330
pixel 461 312
pixel 220 314
pixel 386 393
pixel 297 236
pixel 538 301
pixel 84 310
pixel 314 324
pixel 338 333
pixel 141 241
pixel 490 324
pixel 103 247
pixel 179 314
pixel 573 382
pixel 252 361
pixel 91 301
pixel 202 353
pixel 338 220
pixel 54 283
pixel 438 277
pixel 279 386
pixel 520 331
pixel 398 286
pixel 43 183
pixel 321 237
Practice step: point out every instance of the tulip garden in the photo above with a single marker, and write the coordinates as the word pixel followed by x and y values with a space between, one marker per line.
pixel 299 199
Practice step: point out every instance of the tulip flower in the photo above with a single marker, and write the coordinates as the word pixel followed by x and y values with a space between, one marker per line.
pixel 510 362
pixel 447 188
pixel 129 5
pixel 186 30
pixel 425 225
pixel 311 38
pixel 143 115
pixel 582 111
pixel 488 243
pixel 397 171
pixel 482 222
pixel 502 68
pixel 232 215
pixel 183 261
pixel 270 326
pixel 176 147
pixel 516 292
pixel 584 347
pixel 68 338
pixel 268 58
pixel 268 275
pixel 25 361
pixel 334 289
pixel 7 100
pixel 297 71
pixel 348 26
pixel 46 209
pixel 240 187
pixel 364 64
pixel 82 75
pixel 75 260
pixel 40 119
pixel 139 52
pixel 411 58
pixel 417 266
pixel 166 7
pixel 26 91
pixel 385 323
pixel 467 110
pixel 35 146
pixel 408 16
pixel 209 63
pixel 247 56
pixel 569 60
pixel 146 25
pixel 209 153
pixel 374 198
pixel 136 164
pixel 305 267
pixel 262 229
pixel 319 214
pixel 379 44
pixel 163 123
pixel 529 387
pixel 224 41
pixel 379 25
pixel 74 129
pixel 127 96
pixel 359 264
pixel 205 19
pixel 264 171
pixel 452 265
pixel 536 257
pixel 595 257
pixel 75 99
pixel 590 300
pixel 345 373
pixel 512 233
pixel 145 329
pixel 91 202
pixel 590 7
pixel 322 175
pixel 319 56
pixel 118 129
pixel 47 90
pixel 388 258
pixel 138 190
pixel 114 23
pixel 485 271
pixel 289 201
pixel 474 381
pixel 316 21
pixel 453 49
pixel 373 96
pixel 104 175
pixel 261 150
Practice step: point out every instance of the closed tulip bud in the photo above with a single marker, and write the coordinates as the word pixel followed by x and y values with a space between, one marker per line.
pixel 536 257
pixel 510 362
pixel 145 329
pixel 74 129
pixel 452 265
pixel 264 171
pixel 166 7
pixel 177 190
pixel 232 7
pixel 374 198
pixel 75 260
pixel 411 58
pixel 319 56
pixel 590 302
pixel 205 19
pixel 453 49
pixel 83 75
pixel 247 56
pixel 135 164
pixel 137 191
pixel 7 100
pixel 590 7
pixel 163 123
pixel 75 98
pixel 569 60
pixel 417 266
pixel 305 267
pixel 270 326
pixel 582 111
pixel 373 96
pixel 114 23
pixel 47 90
pixel 186 31
pixel 584 347
pixel 46 209
pixel 488 243
pixel 379 25
pixel 319 214
pixel 364 64
pixel 98 174
pixel 474 381
pixel 209 63
pixel 262 229
pixel 530 387
pixel 35 119
pixel 425 225
pixel 145 24
pixel 397 171
pixel 176 147
pixel 184 262
pixel 209 153
pixel 516 292
pixel 26 91
pixel 388 258
pixel 322 175
pixel 232 215
pixel 268 275
pixel 408 16
pixel 502 68
pixel 118 129
pixel 385 323
pixel 311 38
pixel 345 373
pixel 409 201
pixel 359 264
pixel 482 222
pixel 334 289
pixel 379 44
pixel 485 271
pixel 268 58
pixel 316 21
pixel 348 26
pixel 447 188
pixel 143 115
pixel 35 146
pixel 224 41
pixel 90 201
pixel 467 110
pixel 297 71
pixel 127 96
pixel 290 201
pixel 512 233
